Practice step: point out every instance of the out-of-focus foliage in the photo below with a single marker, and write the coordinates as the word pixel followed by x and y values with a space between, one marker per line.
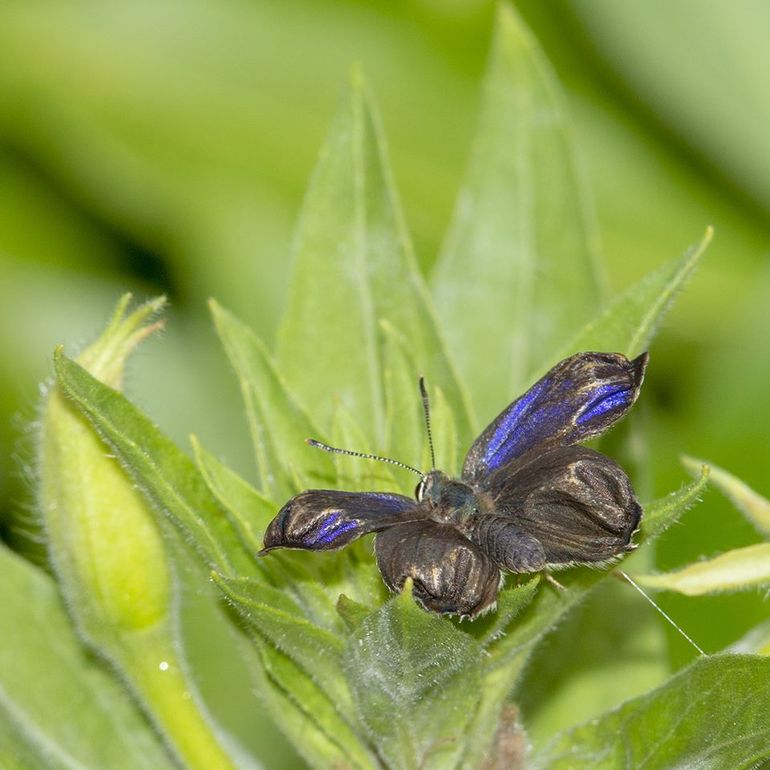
pixel 165 146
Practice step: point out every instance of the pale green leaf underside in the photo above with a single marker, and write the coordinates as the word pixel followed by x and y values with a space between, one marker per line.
pixel 45 675
pixel 518 270
pixel 711 716
pixel 415 681
pixel 754 506
pixel 738 569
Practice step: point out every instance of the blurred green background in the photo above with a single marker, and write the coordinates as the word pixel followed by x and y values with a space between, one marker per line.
pixel 164 147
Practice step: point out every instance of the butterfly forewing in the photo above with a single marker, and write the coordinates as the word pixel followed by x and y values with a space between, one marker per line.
pixel 579 398
pixel 325 519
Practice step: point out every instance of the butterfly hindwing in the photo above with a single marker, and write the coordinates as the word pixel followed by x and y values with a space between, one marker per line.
pixel 449 572
pixel 575 502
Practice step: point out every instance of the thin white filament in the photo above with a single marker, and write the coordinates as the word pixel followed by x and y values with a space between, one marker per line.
pixel 660 610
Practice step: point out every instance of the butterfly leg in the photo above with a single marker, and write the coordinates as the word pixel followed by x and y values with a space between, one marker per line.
pixel 554 582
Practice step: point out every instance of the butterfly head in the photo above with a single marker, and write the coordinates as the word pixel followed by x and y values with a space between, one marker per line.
pixel 448 500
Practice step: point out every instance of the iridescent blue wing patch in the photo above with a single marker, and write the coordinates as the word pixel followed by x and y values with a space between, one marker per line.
pixel 324 519
pixel 579 398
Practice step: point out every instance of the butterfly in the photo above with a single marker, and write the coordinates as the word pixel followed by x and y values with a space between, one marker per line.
pixel 529 499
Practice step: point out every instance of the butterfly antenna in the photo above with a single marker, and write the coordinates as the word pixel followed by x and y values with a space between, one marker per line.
pixel 426 412
pixel 660 610
pixel 335 450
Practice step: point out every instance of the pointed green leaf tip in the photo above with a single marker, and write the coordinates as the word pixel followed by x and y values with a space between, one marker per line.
pixel 630 322
pixel 278 423
pixel 754 506
pixel 662 513
pixel 521 252
pixel 353 267
pixel 735 570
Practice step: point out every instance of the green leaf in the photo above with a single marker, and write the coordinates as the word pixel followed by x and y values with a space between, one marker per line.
pixel 510 603
pixel 403 412
pixel 659 515
pixel 415 682
pixel 309 718
pixel 275 597
pixel 316 651
pixel 356 473
pixel 312 585
pixel 102 727
pixel 165 475
pixel 296 574
pixel 754 506
pixel 629 323
pixel 353 266
pixel 445 439
pixel 713 715
pixel 352 612
pixel 17 753
pixel 279 424
pixel 250 512
pixel 312 743
pixel 520 257
pixel 734 570
pixel 540 616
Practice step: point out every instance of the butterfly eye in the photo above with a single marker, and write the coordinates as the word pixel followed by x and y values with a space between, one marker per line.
pixel 419 490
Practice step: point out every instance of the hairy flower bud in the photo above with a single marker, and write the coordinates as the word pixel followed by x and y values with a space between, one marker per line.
pixel 102 540
pixel 109 556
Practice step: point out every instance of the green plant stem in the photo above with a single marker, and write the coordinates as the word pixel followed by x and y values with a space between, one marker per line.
pixel 159 680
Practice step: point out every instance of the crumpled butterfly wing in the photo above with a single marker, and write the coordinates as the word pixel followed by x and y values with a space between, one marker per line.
pixel 579 398
pixel 577 504
pixel 325 519
pixel 450 574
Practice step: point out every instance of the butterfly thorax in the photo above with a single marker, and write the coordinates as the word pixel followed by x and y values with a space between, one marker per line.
pixel 449 501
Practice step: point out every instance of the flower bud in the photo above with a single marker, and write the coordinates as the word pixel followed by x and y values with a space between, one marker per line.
pixel 106 548
pixel 103 542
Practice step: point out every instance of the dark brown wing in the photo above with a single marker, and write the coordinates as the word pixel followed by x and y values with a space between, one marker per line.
pixel 576 503
pixel 450 574
pixel 324 519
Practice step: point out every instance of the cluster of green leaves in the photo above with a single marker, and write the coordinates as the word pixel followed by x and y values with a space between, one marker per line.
pixel 354 678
